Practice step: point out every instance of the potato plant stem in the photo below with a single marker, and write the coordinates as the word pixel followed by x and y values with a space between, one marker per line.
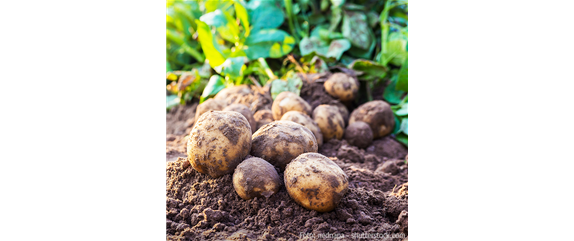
pixel 290 19
pixel 268 70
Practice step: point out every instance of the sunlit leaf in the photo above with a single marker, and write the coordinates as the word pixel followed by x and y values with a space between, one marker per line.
pixel 206 39
pixel 291 83
pixel 214 18
pixel 241 13
pixel 404 110
pixel 338 47
pixel 216 83
pixel 368 67
pixel 232 67
pixel 264 14
pixel 356 29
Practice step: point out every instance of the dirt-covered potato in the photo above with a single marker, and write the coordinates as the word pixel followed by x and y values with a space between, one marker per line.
pixel 305 121
pixel 210 104
pixel 228 94
pixel 359 134
pixel 255 177
pixel 245 111
pixel 287 101
pixel 279 142
pixel 342 109
pixel 315 182
pixel 218 142
pixel 263 117
pixel 378 115
pixel 342 86
pixel 329 121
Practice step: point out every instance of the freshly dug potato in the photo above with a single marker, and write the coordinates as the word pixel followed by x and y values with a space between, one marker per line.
pixel 315 182
pixel 342 109
pixel 229 94
pixel 218 142
pixel 359 134
pixel 263 117
pixel 281 141
pixel 305 121
pixel 378 115
pixel 246 112
pixel 342 86
pixel 287 101
pixel 329 121
pixel 255 177
pixel 210 104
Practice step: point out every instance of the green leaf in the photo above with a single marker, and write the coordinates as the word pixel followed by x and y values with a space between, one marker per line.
pixel 337 47
pixel 403 76
pixel 207 44
pixel 264 14
pixel 405 126
pixel 336 16
pixel 396 48
pixel 232 67
pixel 318 65
pixel 216 83
pixel 241 13
pixel 167 66
pixel 373 69
pixel 401 137
pixel 309 44
pixel 171 101
pixel 292 83
pixel 212 5
pixel 403 111
pixel 356 29
pixel 391 94
pixel 215 18
pixel 397 128
pixel 265 43
pixel 337 3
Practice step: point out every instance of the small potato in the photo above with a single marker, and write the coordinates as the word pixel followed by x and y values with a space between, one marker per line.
pixel 255 177
pixel 342 109
pixel 315 182
pixel 342 86
pixel 245 111
pixel 329 121
pixel 210 104
pixel 218 142
pixel 305 121
pixel 287 101
pixel 263 117
pixel 281 141
pixel 359 134
pixel 378 115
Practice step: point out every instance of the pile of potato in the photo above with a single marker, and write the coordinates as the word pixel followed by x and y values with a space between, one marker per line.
pixel 229 138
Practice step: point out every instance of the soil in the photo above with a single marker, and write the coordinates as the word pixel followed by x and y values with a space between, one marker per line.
pixel 199 207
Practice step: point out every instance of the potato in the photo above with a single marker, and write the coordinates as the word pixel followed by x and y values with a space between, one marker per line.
pixel 329 121
pixel 315 182
pixel 210 104
pixel 342 109
pixel 231 93
pixel 218 142
pixel 305 121
pixel 378 115
pixel 246 112
pixel 287 101
pixel 255 177
pixel 281 141
pixel 359 134
pixel 342 86
pixel 263 117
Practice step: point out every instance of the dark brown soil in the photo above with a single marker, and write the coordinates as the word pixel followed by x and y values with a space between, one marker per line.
pixel 199 207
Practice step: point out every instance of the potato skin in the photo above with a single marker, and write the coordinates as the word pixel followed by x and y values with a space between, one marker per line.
pixel 218 142
pixel 315 182
pixel 378 115
pixel 342 86
pixel 255 177
pixel 359 134
pixel 329 121
pixel 210 104
pixel 246 112
pixel 342 109
pixel 232 93
pixel 305 121
pixel 263 117
pixel 287 101
pixel 279 142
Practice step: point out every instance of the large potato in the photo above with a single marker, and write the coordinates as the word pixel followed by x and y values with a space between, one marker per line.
pixel 210 104
pixel 218 142
pixel 329 121
pixel 315 182
pixel 232 93
pixel 305 121
pixel 342 109
pixel 342 86
pixel 246 112
pixel 255 177
pixel 280 141
pixel 287 101
pixel 378 115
